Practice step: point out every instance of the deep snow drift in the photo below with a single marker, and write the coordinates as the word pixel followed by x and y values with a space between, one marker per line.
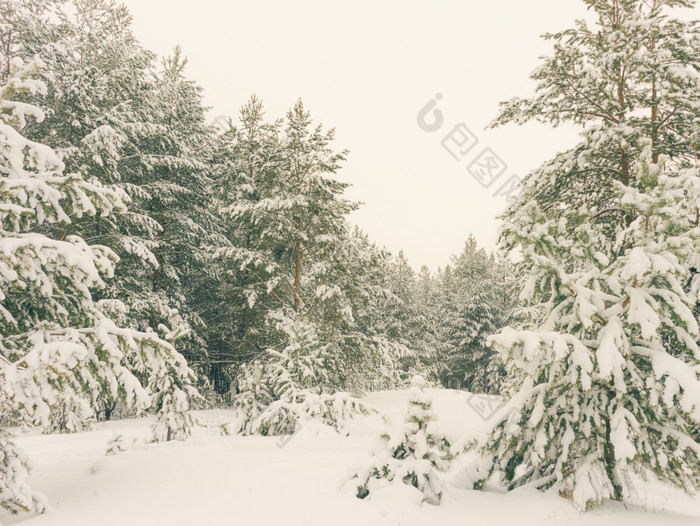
pixel 214 478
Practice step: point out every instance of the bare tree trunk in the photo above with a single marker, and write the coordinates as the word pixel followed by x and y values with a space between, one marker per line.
pixel 610 462
pixel 155 279
pixel 297 276
pixel 654 115
pixel 624 157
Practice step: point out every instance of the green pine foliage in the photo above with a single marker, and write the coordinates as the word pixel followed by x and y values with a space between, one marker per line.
pixel 477 295
pixel 603 365
pixel 606 382
pixel 112 114
pixel 61 356
pixel 630 76
pixel 299 283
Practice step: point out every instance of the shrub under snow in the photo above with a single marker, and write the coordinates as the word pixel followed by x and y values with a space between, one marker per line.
pixel 415 454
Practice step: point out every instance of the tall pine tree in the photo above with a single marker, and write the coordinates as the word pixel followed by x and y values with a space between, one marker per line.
pixel 604 371
pixel 61 356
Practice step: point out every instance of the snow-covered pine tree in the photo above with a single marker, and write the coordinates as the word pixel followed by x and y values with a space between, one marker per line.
pixel 247 164
pixel 607 357
pixel 288 246
pixel 401 281
pixel 376 355
pixel 427 294
pixel 58 350
pixel 293 386
pixel 629 76
pixel 15 493
pixel 606 381
pixel 179 197
pixel 470 316
pixel 403 317
pixel 474 295
pixel 111 115
pixel 96 76
pixel 308 202
pixel 415 454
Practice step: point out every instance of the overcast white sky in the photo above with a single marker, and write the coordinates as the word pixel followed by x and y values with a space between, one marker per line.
pixel 367 67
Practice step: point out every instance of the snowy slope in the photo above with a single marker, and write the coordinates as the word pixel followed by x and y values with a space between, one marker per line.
pixel 218 479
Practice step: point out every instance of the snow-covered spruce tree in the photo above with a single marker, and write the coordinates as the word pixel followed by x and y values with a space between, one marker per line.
pixel 404 318
pixel 431 342
pixel 415 454
pixel 402 308
pixel 376 354
pixel 58 350
pixel 606 379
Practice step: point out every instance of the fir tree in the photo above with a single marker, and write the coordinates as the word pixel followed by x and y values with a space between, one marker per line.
pixel 377 355
pixel 476 301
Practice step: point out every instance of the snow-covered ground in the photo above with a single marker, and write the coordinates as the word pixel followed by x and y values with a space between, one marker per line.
pixel 217 479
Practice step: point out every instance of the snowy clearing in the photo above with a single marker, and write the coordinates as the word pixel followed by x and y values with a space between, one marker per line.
pixel 214 478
